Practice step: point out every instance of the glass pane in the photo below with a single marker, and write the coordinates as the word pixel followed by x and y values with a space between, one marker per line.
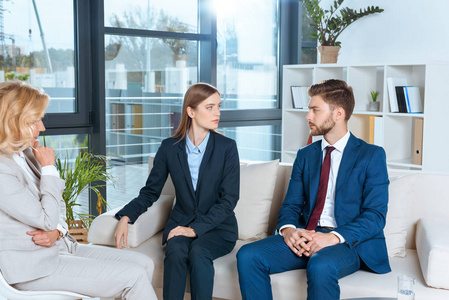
pixel 69 146
pixel 145 85
pixel 247 71
pixel 258 143
pixel 164 15
pixel 40 53
pixel 307 29
pixel 308 55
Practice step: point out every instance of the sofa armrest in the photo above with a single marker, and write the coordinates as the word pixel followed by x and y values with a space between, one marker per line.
pixel 432 247
pixel 148 224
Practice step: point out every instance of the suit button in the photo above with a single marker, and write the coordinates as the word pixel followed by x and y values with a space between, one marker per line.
pixel 354 243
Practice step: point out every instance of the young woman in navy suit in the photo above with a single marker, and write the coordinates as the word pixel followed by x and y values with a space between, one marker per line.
pixel 205 170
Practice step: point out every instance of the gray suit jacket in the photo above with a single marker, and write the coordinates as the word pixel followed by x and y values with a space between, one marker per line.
pixel 24 208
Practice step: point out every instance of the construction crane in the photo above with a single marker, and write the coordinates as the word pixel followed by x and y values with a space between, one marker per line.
pixel 4 36
pixel 47 55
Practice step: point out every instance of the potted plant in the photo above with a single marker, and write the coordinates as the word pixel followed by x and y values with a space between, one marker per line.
pixel 330 23
pixel 88 172
pixel 374 105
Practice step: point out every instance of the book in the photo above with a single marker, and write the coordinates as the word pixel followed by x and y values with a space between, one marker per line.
pixel 413 99
pixel 400 96
pixel 417 141
pixel 392 82
pixel 300 97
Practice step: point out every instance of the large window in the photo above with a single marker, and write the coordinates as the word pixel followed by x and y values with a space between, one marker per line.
pixel 116 72
pixel 154 50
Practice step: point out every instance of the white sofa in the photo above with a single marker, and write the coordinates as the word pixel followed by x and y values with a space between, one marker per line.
pixel 416 233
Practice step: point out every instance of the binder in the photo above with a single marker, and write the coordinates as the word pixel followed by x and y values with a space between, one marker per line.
pixel 401 99
pixel 371 130
pixel 392 82
pixel 418 139
pixel 413 99
pixel 300 97
pixel 378 131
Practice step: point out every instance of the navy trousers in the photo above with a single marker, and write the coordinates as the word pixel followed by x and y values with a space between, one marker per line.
pixel 195 255
pixel 256 261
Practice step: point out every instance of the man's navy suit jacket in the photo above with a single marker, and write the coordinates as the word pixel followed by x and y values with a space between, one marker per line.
pixel 212 205
pixel 361 197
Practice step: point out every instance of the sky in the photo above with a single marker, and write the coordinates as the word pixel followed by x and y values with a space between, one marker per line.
pixel 56 18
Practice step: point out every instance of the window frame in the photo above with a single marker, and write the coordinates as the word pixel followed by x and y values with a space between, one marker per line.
pixel 90 115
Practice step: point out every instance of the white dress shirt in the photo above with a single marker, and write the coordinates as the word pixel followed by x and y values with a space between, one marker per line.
pixel 20 159
pixel 327 218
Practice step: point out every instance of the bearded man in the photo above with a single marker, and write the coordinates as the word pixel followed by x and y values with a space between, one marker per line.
pixel 332 218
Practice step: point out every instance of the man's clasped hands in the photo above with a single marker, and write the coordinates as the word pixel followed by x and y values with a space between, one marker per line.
pixel 307 242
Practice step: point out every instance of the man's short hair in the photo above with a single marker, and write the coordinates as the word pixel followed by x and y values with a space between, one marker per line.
pixel 336 93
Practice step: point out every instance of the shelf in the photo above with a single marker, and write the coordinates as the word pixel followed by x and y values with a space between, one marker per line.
pixel 291 151
pixel 418 115
pixel 399 140
pixel 297 110
pixel 370 113
pixel 406 163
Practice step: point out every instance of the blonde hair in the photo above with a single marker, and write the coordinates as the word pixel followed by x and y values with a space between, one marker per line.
pixel 20 105
pixel 196 94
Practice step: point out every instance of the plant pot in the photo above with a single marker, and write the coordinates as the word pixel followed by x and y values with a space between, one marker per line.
pixel 78 231
pixel 374 106
pixel 328 54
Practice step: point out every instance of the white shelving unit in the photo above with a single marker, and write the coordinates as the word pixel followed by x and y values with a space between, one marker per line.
pixel 433 79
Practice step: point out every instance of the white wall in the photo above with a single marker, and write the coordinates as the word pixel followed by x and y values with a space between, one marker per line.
pixel 408 31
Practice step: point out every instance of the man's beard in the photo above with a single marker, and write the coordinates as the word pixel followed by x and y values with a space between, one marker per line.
pixel 323 129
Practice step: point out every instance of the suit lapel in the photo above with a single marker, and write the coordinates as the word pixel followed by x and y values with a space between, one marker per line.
pixel 206 158
pixel 32 162
pixel 182 156
pixel 30 183
pixel 316 158
pixel 348 160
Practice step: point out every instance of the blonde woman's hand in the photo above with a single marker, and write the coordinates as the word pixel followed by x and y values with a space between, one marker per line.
pixel 121 232
pixel 44 155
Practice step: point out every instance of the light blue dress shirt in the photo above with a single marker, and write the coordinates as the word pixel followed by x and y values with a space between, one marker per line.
pixel 195 157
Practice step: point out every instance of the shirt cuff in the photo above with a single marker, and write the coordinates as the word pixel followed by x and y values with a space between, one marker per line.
pixel 342 239
pixel 285 226
pixel 62 229
pixel 50 170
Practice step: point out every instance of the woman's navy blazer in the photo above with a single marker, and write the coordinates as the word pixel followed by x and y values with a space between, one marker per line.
pixel 211 206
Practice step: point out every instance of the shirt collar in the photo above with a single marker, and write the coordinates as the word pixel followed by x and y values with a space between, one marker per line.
pixel 201 147
pixel 339 145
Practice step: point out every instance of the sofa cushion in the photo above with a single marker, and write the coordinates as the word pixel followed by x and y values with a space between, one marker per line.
pixel 149 223
pixel 400 192
pixel 432 246
pixel 257 182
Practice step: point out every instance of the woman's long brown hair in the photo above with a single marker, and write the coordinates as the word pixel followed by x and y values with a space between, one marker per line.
pixel 196 94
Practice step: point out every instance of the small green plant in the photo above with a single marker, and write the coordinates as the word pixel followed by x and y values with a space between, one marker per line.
pixel 88 172
pixel 12 76
pixel 330 23
pixel 374 95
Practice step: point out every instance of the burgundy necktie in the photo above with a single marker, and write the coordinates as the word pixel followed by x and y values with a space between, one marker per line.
pixel 322 190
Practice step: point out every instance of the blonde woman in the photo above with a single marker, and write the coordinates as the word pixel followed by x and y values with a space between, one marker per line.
pixel 205 170
pixel 36 253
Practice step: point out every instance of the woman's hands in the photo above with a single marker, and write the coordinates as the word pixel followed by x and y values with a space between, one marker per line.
pixel 44 155
pixel 44 238
pixel 181 230
pixel 122 232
